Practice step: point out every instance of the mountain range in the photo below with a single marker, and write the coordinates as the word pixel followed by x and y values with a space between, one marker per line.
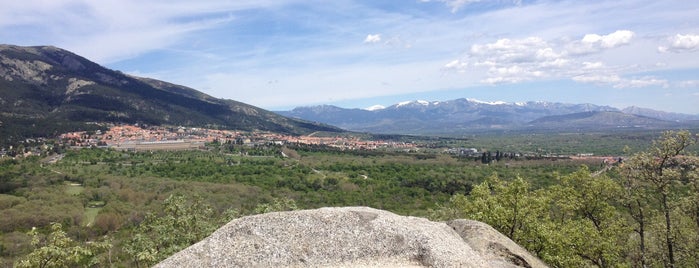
pixel 46 90
pixel 470 115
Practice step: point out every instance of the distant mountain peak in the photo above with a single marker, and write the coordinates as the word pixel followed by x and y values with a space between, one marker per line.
pixel 413 102
pixel 487 102
pixel 467 115
pixel 375 107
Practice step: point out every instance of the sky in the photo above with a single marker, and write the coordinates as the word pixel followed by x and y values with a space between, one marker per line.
pixel 280 54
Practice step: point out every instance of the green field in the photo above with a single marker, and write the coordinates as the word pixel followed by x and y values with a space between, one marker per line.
pixel 74 188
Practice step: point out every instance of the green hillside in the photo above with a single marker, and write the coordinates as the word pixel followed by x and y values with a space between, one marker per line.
pixel 47 90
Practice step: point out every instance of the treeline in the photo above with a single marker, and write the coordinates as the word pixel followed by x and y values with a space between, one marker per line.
pixel 645 213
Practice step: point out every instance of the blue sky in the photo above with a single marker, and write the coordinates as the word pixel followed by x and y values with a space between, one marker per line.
pixel 279 54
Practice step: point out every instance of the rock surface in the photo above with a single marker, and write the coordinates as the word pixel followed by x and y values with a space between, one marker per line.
pixel 493 246
pixel 351 237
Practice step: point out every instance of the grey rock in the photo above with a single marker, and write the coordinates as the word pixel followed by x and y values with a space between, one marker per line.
pixel 334 237
pixel 496 248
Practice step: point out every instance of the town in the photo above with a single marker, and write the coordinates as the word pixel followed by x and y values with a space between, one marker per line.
pixel 151 138
pixel 134 137
pixel 144 138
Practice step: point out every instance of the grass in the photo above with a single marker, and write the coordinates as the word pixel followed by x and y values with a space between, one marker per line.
pixel 95 204
pixel 93 207
pixel 74 188
pixel 91 214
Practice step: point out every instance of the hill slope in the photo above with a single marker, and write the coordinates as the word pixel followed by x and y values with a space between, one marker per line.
pixel 659 114
pixel 597 120
pixel 44 90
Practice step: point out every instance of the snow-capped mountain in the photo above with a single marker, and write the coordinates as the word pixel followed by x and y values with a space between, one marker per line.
pixel 375 107
pixel 467 115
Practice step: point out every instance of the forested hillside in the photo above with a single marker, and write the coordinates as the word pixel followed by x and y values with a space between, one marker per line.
pixel 46 91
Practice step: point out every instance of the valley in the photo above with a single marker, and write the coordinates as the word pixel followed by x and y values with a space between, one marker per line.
pixel 97 191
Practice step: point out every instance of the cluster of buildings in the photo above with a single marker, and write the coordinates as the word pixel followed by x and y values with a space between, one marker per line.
pixel 134 137
pixel 151 138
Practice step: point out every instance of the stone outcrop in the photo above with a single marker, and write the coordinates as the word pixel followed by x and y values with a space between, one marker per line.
pixel 351 237
pixel 493 246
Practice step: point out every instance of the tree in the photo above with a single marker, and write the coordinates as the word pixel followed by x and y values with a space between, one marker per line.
pixel 59 250
pixel 277 204
pixel 183 223
pixel 583 209
pixel 656 179
pixel 572 224
pixel 508 206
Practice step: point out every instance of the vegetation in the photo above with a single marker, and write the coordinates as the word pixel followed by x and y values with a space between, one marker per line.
pixel 643 214
pixel 153 240
pixel 58 250
pixel 566 143
pixel 121 208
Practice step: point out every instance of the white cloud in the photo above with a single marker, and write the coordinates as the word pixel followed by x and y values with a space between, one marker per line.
pixel 388 41
pixel 593 65
pixel 513 60
pixel 617 81
pixel 642 82
pixel 547 54
pixel 611 40
pixel 556 63
pixel 372 38
pixel 111 30
pixel 534 58
pixel 512 74
pixel 513 51
pixel 591 43
pixel 597 78
pixel 687 84
pixel 456 65
pixel 681 43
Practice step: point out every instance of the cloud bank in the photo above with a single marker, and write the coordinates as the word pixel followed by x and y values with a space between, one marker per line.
pixel 533 58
